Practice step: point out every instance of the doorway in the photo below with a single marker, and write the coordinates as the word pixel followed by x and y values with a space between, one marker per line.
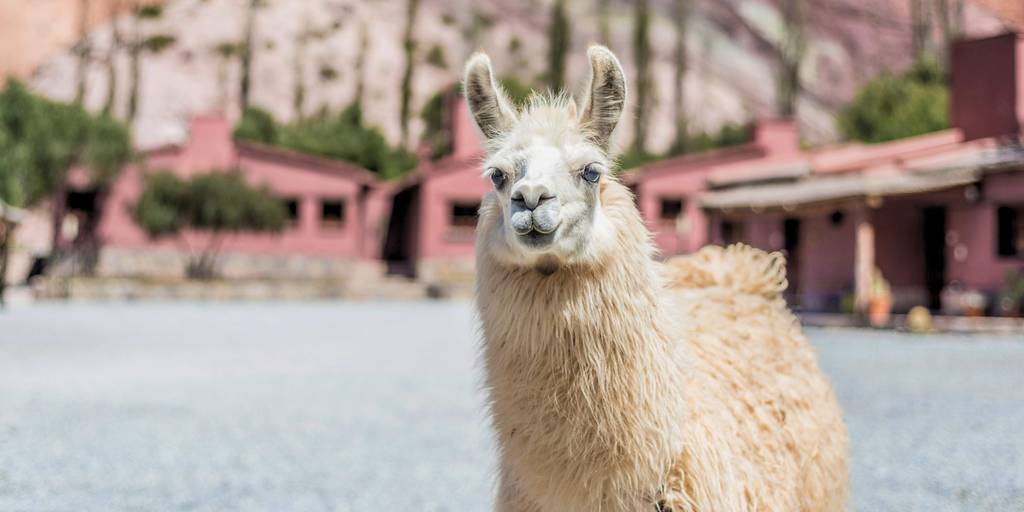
pixel 935 254
pixel 791 246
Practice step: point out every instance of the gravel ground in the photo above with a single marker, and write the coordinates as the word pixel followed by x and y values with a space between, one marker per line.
pixel 360 407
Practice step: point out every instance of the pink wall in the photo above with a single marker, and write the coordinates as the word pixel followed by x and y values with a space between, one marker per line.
pixel 453 181
pixel 987 83
pixel 974 261
pixel 307 180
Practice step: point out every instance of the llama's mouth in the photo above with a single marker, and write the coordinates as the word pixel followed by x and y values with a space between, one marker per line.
pixel 535 239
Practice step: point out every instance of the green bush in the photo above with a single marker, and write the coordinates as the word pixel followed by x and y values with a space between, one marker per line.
pixel 897 106
pixel 339 136
pixel 217 202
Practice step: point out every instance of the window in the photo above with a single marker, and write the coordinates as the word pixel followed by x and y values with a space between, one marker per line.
pixel 463 221
pixel 728 232
pixel 464 214
pixel 671 210
pixel 332 213
pixel 291 208
pixel 1010 231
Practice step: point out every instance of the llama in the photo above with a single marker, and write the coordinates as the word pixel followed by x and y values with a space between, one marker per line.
pixel 617 383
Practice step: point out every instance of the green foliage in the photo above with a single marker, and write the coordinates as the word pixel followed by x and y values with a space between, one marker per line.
pixel 340 136
pixel 158 43
pixel 257 125
pixel 896 106
pixel 634 158
pixel 42 139
pixel 436 57
pixel 435 135
pixel 559 39
pixel 518 92
pixel 728 135
pixel 151 11
pixel 328 73
pixel 216 202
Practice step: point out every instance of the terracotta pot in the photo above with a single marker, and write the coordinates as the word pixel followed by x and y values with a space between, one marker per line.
pixel 879 311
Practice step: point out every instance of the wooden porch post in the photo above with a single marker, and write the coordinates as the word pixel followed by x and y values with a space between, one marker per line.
pixel 864 260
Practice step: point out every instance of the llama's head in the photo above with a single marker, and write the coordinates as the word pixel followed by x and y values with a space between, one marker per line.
pixel 549 163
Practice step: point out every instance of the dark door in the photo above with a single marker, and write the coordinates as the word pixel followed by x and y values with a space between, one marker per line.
pixel 935 254
pixel 791 245
pixel 403 228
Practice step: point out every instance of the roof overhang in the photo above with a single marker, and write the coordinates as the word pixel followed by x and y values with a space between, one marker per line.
pixel 816 189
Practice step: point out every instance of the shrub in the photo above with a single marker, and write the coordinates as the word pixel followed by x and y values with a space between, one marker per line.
pixel 217 202
pixel 896 106
pixel 339 136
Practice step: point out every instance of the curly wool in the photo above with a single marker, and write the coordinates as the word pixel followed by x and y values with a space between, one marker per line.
pixel 627 385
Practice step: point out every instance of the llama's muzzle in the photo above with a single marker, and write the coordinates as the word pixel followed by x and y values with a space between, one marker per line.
pixel 543 218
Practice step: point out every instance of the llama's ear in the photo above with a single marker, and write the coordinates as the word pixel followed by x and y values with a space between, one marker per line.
pixel 491 109
pixel 604 97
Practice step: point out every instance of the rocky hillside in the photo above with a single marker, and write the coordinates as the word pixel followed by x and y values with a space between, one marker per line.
pixel 318 43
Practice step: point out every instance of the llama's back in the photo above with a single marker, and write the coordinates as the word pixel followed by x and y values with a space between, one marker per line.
pixel 764 431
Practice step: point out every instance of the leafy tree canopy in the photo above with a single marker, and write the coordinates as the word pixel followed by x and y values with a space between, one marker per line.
pixel 217 201
pixel 892 106
pixel 40 140
pixel 339 136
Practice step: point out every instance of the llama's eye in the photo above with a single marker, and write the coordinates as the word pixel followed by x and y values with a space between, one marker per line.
pixel 498 178
pixel 591 173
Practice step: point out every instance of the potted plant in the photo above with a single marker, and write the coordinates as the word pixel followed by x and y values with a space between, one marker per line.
pixel 880 307
pixel 1011 297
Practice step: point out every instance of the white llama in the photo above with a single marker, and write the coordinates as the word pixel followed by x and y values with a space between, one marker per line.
pixel 618 384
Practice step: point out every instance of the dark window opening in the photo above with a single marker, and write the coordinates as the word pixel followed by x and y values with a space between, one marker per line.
pixel 837 218
pixel 1010 231
pixel 332 213
pixel 671 209
pixel 291 207
pixel 464 214
pixel 463 221
pixel 728 230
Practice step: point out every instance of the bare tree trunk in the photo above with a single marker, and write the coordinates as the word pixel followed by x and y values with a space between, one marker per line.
pixel 135 69
pixel 6 242
pixel 248 47
pixel 642 61
pixel 951 14
pixel 111 60
pixel 559 39
pixel 680 18
pixel 604 24
pixel 791 55
pixel 364 43
pixel 299 90
pixel 920 19
pixel 409 44
pixel 83 49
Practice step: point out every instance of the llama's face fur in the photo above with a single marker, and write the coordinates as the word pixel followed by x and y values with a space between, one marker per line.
pixel 548 163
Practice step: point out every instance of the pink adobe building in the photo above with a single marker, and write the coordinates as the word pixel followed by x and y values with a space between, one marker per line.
pixel 334 211
pixel 939 215
pixel 432 226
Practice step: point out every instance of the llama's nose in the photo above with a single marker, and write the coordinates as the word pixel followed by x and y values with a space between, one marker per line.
pixel 531 194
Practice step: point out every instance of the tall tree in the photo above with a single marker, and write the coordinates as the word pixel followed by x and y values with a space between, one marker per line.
pixel 41 140
pixel 248 50
pixel 642 61
pixel 409 46
pixel 559 37
pixel 141 44
pixel 791 53
pixel 921 27
pixel 83 50
pixel 364 48
pixel 680 18
pixel 603 23
pixel 110 60
pixel 951 19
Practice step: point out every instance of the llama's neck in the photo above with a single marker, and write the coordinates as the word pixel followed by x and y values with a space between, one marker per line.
pixel 583 371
